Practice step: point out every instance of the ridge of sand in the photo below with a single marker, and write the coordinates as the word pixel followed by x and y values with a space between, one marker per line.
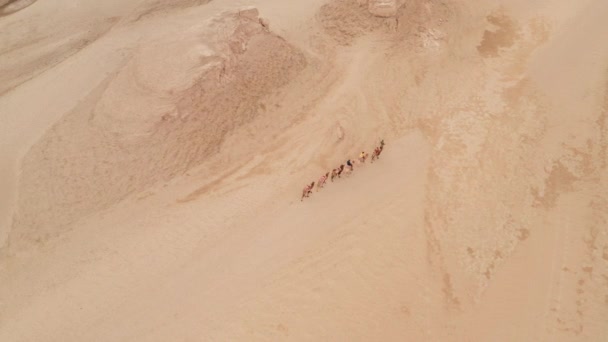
pixel 139 128
pixel 485 219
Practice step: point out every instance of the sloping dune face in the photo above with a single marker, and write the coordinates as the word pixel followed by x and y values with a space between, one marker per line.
pixel 11 6
pixel 164 203
pixel 165 111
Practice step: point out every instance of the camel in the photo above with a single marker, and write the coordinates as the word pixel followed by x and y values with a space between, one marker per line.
pixel 377 151
pixel 340 170
pixel 351 164
pixel 307 190
pixel 349 170
pixel 334 174
pixel 376 154
pixel 362 157
pixel 322 181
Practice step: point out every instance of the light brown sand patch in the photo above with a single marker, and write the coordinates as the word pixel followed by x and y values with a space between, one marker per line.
pixel 158 7
pixel 11 6
pixel 504 36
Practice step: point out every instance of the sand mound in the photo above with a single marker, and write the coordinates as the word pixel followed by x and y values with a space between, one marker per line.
pixel 164 112
pixel 345 21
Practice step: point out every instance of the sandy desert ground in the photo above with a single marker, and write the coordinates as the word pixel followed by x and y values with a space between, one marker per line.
pixel 153 155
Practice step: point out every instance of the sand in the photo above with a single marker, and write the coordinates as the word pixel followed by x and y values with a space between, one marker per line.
pixel 153 157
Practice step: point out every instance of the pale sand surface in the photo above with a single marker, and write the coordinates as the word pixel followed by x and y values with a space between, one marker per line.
pixel 153 154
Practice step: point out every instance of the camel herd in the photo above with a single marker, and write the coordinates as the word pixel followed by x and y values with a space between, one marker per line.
pixel 341 170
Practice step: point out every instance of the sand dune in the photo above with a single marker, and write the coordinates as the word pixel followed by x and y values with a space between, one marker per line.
pixel 153 157
pixel 160 114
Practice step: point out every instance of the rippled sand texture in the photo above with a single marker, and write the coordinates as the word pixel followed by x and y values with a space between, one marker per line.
pixel 153 156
